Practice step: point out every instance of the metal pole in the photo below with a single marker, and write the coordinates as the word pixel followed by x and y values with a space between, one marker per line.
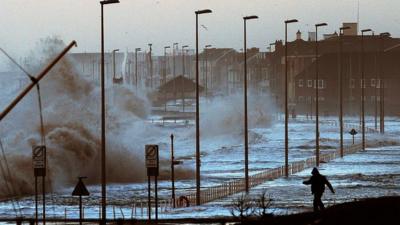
pixel 206 84
pixel 149 197
pixel 198 179
pixel 375 88
pixel 316 99
pixel 136 70
pixel 172 171
pixel 44 198
pixel 382 97
pixel 341 92
pixel 183 79
pixel 165 77
pixel 156 196
pixel 246 144
pixel 103 128
pixel 286 110
pixel 113 63
pixel 80 210
pixel 36 201
pixel 362 91
pixel 151 67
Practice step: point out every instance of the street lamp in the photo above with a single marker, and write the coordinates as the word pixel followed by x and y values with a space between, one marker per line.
pixel 113 54
pixel 206 59
pixel 316 93
pixel 363 87
pixel 183 76
pixel 382 84
pixel 136 69
pixel 341 30
pixel 174 72
pixel 246 139
pixel 204 11
pixel 165 75
pixel 103 120
pixel 151 66
pixel 286 102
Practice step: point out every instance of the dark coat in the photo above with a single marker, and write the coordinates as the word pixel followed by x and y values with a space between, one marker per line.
pixel 318 183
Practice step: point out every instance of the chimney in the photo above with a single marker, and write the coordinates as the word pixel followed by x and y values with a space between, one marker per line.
pixel 298 35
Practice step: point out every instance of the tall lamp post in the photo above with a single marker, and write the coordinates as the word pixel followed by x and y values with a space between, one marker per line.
pixel 286 102
pixel 341 87
pixel 246 138
pixel 363 87
pixel 151 66
pixel 174 71
pixel 136 68
pixel 165 75
pixel 382 83
pixel 113 54
pixel 183 78
pixel 103 120
pixel 206 59
pixel 204 11
pixel 316 94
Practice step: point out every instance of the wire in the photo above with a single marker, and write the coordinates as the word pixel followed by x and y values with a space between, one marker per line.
pixel 6 174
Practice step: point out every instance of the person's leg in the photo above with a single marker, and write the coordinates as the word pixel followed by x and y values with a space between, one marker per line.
pixel 319 202
pixel 315 203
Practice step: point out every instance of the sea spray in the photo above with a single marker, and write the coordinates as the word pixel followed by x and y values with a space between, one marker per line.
pixel 71 110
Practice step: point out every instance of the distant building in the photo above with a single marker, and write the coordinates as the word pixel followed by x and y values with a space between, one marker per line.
pixel 353 31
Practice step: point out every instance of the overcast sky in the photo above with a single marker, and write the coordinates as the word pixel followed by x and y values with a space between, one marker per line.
pixel 135 23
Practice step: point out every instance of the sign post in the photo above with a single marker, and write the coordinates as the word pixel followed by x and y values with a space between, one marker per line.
pixel 152 165
pixel 39 170
pixel 80 190
pixel 353 132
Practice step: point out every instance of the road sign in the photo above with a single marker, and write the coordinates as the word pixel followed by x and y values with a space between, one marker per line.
pixel 80 189
pixel 151 152
pixel 39 160
pixel 151 156
pixel 353 132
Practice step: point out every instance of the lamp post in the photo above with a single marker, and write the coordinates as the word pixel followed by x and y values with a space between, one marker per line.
pixel 286 102
pixel 362 88
pixel 173 62
pixel 204 11
pixel 206 59
pixel 316 94
pixel 113 54
pixel 165 75
pixel 341 87
pixel 246 139
pixel 382 83
pixel 183 78
pixel 151 66
pixel 136 69
pixel 103 115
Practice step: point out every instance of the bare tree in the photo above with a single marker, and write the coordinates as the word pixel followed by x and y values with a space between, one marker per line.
pixel 242 207
pixel 263 203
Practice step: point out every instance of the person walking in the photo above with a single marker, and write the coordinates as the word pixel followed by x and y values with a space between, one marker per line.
pixel 318 183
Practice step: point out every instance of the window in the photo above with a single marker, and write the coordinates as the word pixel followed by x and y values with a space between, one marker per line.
pixel 362 83
pixel 301 99
pixel 309 83
pixel 372 98
pixel 320 84
pixel 300 83
pixel 378 83
pixel 352 83
pixel 373 82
